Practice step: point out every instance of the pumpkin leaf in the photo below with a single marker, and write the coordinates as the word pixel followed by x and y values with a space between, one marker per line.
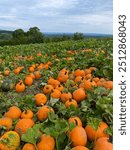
pixel 94 122
pixel 32 134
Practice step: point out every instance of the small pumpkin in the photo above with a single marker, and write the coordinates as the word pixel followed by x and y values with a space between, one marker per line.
pixel 28 80
pixel 46 143
pixel 11 139
pixel 6 122
pixel 78 136
pixel 20 86
pixel 47 89
pixel 65 96
pixel 14 112
pixel 42 113
pixel 28 146
pixel 95 134
pixel 71 102
pixel 79 94
pixel 22 125
pixel 6 72
pixel 56 93
pixel 76 120
pixel 103 144
pixel 28 114
pixel 40 99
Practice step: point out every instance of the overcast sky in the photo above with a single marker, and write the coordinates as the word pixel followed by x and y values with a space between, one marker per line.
pixel 88 16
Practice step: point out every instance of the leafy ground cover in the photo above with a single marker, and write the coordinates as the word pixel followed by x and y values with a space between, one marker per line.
pixel 51 93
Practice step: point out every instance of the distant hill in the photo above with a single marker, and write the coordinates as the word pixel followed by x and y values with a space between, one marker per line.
pixel 5 35
pixel 52 34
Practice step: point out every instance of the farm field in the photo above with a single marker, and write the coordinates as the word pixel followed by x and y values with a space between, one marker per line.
pixel 57 96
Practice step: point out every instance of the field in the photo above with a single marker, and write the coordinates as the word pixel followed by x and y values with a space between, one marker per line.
pixel 59 89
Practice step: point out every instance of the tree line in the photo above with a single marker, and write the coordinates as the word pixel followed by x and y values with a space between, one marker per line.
pixel 34 35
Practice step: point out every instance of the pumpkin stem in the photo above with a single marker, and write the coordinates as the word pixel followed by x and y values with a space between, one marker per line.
pixel 76 122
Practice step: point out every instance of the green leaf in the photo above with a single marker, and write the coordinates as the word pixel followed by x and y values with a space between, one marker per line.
pixel 94 122
pixel 32 134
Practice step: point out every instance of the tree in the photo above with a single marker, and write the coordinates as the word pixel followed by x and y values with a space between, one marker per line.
pixel 34 35
pixel 78 36
pixel 18 33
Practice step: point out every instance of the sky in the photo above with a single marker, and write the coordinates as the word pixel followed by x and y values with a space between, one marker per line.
pixel 86 16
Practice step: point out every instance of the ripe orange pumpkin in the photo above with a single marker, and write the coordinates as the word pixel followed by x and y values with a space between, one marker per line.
pixel 65 96
pixel 40 99
pixel 47 89
pixel 6 72
pixel 42 113
pixel 14 112
pixel 46 143
pixel 28 146
pixel 95 134
pixel 28 114
pixel 78 136
pixel 56 93
pixel 28 81
pixel 79 95
pixel 20 87
pixel 76 120
pixel 6 122
pixel 22 125
pixel 70 102
pixel 103 144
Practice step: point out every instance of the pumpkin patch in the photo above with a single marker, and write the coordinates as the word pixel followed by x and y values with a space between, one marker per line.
pixel 57 96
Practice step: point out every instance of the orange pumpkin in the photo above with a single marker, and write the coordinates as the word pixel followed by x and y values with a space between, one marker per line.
pixel 79 94
pixel 78 136
pixel 22 125
pixel 42 113
pixel 71 102
pixel 40 99
pixel 95 134
pixel 103 144
pixel 28 81
pixel 46 143
pixel 20 87
pixel 76 120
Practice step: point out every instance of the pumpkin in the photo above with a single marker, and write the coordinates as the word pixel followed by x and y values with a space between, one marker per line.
pixel 76 120
pixel 28 146
pixel 20 86
pixel 28 114
pixel 11 139
pixel 79 94
pixel 71 102
pixel 78 136
pixel 42 113
pixel 40 99
pixel 28 80
pixel 65 96
pixel 56 94
pixel 95 134
pixel 7 85
pixel 22 125
pixel 6 72
pixel 6 122
pixel 47 89
pixel 103 144
pixel 46 143
pixel 14 112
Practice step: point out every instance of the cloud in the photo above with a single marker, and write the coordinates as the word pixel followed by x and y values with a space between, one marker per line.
pixel 57 15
